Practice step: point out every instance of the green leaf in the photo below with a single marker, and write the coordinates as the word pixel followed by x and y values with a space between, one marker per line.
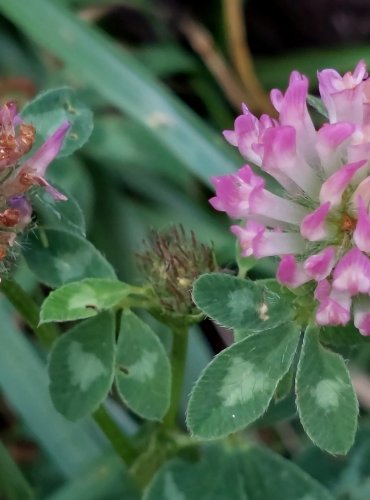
pixel 107 478
pixel 143 374
pixel 13 485
pixel 326 402
pixel 180 480
pixel 254 473
pixel 274 286
pixel 237 386
pixel 267 476
pixel 342 336
pixel 69 447
pixel 53 107
pixel 318 105
pixel 347 477
pixel 239 303
pixel 81 367
pixel 64 215
pixel 82 299
pixel 126 84
pixel 76 180
pixel 327 469
pixel 278 411
pixel 58 257
pixel 285 385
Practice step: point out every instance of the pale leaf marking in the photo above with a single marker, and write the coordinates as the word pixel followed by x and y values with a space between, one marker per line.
pixel 84 367
pixel 241 382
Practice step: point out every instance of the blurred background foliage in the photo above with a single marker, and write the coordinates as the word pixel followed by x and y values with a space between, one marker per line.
pixel 163 78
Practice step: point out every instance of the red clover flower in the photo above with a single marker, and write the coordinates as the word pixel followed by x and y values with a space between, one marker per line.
pixel 320 227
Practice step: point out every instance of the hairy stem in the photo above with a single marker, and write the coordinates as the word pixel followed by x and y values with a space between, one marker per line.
pixel 178 361
pixel 120 442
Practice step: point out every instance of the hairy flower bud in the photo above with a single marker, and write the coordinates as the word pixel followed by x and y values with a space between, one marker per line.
pixel 171 262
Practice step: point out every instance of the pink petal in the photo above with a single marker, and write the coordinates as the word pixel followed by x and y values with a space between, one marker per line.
pixel 280 156
pixel 329 82
pixel 366 105
pixel 266 122
pixel 319 266
pixel 245 109
pixel 335 306
pixel 231 137
pixel 331 312
pixel 9 118
pixel 331 141
pixel 40 160
pixel 322 290
pixel 274 207
pixel 276 97
pixel 294 112
pixel 361 315
pixel 7 113
pixel 363 192
pixel 361 234
pixel 233 192
pixel 242 194
pixel 348 105
pixel 256 240
pixel 313 226
pixel 247 133
pixel 357 152
pixel 360 72
pixel 343 96
pixel 247 236
pixel 362 322
pixel 21 204
pixel 334 187
pixel 41 181
pixel 277 243
pixel 352 273
pixel 291 273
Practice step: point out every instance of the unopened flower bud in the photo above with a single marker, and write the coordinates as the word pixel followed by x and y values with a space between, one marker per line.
pixel 171 262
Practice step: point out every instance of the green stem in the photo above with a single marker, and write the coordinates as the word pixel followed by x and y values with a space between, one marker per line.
pixel 29 311
pixel 115 435
pixel 178 361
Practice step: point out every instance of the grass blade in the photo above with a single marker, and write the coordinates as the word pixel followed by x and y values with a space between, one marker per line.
pixel 118 77
pixel 13 485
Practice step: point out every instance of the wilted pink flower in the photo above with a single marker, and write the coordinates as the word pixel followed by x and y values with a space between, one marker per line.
pixel 17 176
pixel 32 171
pixel 320 227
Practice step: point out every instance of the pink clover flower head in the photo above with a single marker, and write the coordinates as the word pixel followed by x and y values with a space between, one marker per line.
pixel 19 175
pixel 320 226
